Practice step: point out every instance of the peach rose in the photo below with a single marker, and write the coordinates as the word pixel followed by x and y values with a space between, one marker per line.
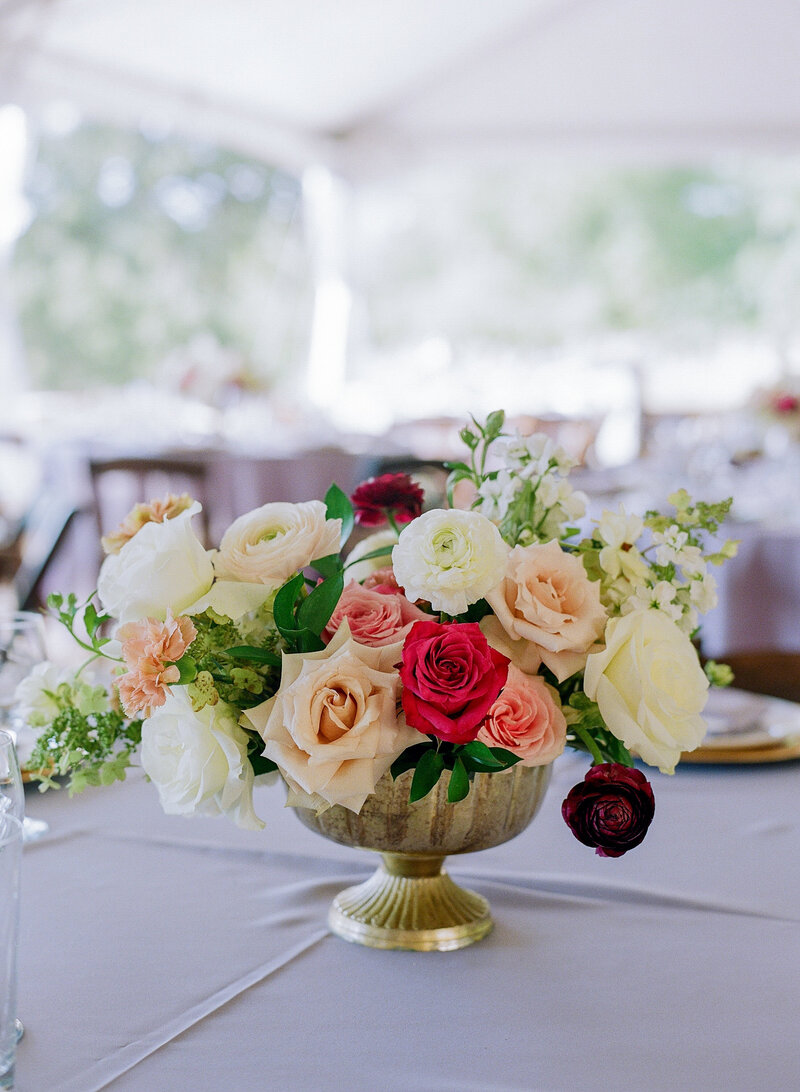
pixel 526 719
pixel 332 728
pixel 155 512
pixel 546 610
pixel 378 616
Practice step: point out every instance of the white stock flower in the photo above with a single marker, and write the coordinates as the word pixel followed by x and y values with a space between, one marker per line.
pixel 497 495
pixel 163 567
pixel 449 558
pixel 198 760
pixel 660 597
pixel 572 501
pixel 650 687
pixel 703 593
pixel 271 543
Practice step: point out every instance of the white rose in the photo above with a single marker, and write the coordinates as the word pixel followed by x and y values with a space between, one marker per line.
pixel 449 558
pixel 332 728
pixel 650 687
pixel 361 569
pixel 163 567
pixel 271 543
pixel 198 761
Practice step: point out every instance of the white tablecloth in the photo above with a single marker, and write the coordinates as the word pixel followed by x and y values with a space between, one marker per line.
pixel 166 954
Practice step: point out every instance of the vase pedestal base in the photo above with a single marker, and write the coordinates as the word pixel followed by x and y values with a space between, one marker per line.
pixel 411 903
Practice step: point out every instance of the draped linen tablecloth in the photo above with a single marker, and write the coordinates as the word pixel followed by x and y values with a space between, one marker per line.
pixel 159 953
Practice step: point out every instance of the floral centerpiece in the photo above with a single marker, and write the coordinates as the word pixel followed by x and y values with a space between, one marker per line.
pixel 466 640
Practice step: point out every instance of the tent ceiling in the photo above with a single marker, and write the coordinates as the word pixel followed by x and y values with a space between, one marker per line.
pixel 374 84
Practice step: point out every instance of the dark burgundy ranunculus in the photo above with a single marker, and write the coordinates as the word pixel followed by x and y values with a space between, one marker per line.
pixel 395 493
pixel 610 809
pixel 451 678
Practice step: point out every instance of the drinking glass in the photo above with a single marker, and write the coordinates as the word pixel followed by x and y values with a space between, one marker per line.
pixel 10 856
pixel 22 647
pixel 12 803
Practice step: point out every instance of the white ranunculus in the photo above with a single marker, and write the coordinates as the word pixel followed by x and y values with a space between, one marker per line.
pixel 449 558
pixel 650 687
pixel 361 569
pixel 163 567
pixel 198 761
pixel 273 542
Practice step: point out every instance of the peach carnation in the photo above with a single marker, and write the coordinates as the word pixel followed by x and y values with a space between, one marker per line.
pixel 526 719
pixel 151 650
pixel 155 512
pixel 377 616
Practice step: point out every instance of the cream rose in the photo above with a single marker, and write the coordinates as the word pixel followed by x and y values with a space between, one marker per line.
pixel 198 761
pixel 163 567
pixel 546 610
pixel 450 559
pixel 332 728
pixel 273 542
pixel 650 687
pixel 526 719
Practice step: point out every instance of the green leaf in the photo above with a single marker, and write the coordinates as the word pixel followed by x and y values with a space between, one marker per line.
pixel 338 506
pixel 382 551
pixel 316 609
pixel 479 752
pixel 256 655
pixel 283 607
pixel 409 759
pixel 327 566
pixel 428 771
pixel 187 668
pixel 494 424
pixel 459 782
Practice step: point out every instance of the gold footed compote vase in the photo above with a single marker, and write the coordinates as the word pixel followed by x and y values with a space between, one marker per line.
pixel 411 902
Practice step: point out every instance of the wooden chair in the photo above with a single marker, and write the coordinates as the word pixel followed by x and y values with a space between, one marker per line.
pixel 766 672
pixel 119 483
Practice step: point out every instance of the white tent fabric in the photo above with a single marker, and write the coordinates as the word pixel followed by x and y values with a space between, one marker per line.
pixel 371 85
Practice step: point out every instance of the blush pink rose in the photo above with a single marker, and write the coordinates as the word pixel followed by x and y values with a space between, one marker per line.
pixel 377 616
pixel 150 650
pixel 546 610
pixel 526 719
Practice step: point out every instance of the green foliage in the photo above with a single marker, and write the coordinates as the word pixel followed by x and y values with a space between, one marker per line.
pixel 94 749
pixel 242 675
pixel 71 613
pixel 429 760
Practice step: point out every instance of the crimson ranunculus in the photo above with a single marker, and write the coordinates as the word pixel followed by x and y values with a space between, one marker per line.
pixel 451 678
pixel 395 493
pixel 611 809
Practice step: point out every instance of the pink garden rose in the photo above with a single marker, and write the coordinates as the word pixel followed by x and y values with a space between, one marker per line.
pixel 451 678
pixel 377 617
pixel 526 719
pixel 546 610
pixel 150 650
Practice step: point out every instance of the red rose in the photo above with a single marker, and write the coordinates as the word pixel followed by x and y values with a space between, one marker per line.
pixel 451 678
pixel 394 493
pixel 611 809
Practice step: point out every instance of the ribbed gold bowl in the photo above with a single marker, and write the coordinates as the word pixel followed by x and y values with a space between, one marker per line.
pixel 411 902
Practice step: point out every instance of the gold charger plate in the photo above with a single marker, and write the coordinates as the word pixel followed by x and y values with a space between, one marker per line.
pixel 782 750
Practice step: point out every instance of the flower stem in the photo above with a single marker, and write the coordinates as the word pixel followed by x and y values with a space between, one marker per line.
pixel 589 744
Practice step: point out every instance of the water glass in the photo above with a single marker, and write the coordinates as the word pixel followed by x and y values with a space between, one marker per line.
pixel 10 857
